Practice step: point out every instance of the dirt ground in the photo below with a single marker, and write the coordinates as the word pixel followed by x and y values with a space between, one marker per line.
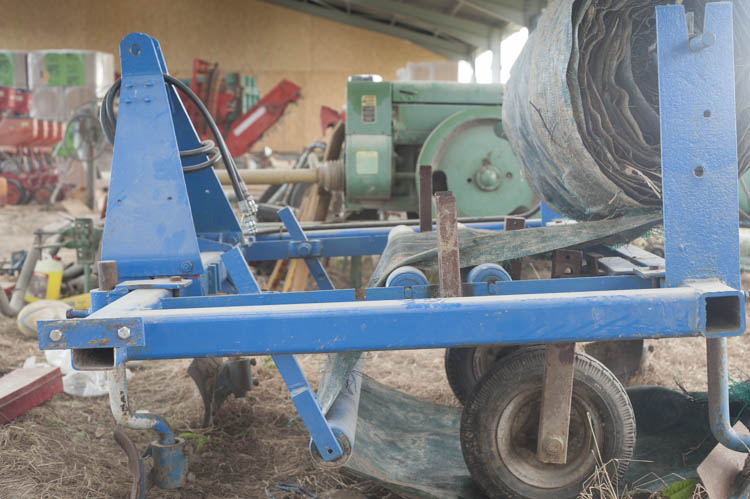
pixel 64 448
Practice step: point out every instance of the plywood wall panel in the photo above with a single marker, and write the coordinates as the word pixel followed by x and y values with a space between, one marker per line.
pixel 249 36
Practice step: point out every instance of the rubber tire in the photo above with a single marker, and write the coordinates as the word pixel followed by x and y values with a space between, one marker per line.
pixel 21 195
pixel 514 376
pixel 459 369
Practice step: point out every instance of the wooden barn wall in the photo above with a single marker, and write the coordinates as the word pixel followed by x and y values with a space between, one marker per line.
pixel 248 36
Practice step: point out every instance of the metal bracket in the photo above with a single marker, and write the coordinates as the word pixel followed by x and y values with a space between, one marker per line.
pixel 313 264
pixel 557 393
pixel 239 272
pixel 308 407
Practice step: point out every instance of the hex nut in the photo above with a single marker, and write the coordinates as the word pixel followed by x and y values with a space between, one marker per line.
pixel 123 333
pixel 55 335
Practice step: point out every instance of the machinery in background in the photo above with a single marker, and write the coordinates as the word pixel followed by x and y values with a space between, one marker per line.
pixel 393 127
pixel 40 92
pixel 538 424
pixel 227 96
pixel 234 101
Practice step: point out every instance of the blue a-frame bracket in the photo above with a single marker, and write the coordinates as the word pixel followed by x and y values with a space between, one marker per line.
pixel 155 212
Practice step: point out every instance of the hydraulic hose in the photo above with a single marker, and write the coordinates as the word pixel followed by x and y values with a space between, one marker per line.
pixel 214 151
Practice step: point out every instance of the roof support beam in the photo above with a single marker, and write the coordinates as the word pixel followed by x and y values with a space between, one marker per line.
pixel 498 11
pixel 446 24
pixel 450 49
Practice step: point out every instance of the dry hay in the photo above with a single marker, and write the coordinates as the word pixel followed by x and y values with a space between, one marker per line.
pixel 63 448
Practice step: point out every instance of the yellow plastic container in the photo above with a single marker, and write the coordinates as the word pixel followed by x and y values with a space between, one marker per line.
pixel 46 280
pixel 3 191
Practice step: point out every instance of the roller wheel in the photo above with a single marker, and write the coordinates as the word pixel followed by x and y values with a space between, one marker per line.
pixel 500 422
pixel 17 193
pixel 43 195
pixel 464 367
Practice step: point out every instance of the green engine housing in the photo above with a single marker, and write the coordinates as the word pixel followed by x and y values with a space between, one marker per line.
pixel 391 127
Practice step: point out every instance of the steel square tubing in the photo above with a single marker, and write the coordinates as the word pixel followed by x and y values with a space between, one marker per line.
pixel 406 324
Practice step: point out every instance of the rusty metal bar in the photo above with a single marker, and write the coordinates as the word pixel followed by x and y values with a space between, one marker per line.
pixel 107 275
pixel 449 266
pixel 425 198
pixel 554 419
pixel 516 266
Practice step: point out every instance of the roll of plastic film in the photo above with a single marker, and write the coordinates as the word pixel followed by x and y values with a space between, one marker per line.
pixel 342 417
pixel 406 276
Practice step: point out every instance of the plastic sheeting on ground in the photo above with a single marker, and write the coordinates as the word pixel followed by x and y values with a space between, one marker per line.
pixel 412 446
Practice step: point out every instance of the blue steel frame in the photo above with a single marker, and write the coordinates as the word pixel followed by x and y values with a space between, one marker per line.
pixel 697 295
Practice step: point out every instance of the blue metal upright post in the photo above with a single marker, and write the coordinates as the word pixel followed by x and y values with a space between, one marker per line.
pixel 700 188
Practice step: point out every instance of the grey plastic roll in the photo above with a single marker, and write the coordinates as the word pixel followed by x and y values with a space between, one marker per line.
pixel 342 417
pixel 581 109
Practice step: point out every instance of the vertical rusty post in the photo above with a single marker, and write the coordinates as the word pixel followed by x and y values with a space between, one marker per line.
pixel 449 266
pixel 425 198
pixel 557 394
pixel 107 274
pixel 515 223
pixel 559 369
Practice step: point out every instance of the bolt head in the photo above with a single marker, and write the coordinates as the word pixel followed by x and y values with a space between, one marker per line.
pixel 55 335
pixel 186 266
pixel 305 249
pixel 123 333
pixel 553 446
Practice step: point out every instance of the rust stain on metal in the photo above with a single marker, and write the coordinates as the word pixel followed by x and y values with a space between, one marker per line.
pixel 566 352
pixel 425 198
pixel 557 394
pixel 567 263
pixel 102 341
pixel 516 266
pixel 449 266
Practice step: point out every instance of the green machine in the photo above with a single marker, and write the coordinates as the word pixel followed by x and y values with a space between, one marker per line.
pixel 392 127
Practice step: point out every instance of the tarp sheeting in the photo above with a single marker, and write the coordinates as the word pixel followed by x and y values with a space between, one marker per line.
pixel 581 109
pixel 406 247
pixel 412 446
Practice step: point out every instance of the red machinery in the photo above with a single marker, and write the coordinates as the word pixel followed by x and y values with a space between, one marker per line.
pixel 223 101
pixel 329 118
pixel 250 127
pixel 26 157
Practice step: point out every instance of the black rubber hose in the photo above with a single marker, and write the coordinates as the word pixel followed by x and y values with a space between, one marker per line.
pixel 109 123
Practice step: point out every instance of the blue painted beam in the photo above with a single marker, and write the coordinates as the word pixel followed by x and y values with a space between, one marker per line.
pixel 406 324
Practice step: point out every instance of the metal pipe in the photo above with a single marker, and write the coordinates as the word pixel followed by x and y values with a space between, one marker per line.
pixel 118 402
pixel 718 397
pixel 274 176
pixel 17 299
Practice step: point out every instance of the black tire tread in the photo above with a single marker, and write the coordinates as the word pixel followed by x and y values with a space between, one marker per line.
pixel 526 364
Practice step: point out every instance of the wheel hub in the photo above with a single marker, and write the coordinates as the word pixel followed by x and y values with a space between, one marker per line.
pixel 516 439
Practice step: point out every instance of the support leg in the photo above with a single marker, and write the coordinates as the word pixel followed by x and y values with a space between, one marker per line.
pixel 557 394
